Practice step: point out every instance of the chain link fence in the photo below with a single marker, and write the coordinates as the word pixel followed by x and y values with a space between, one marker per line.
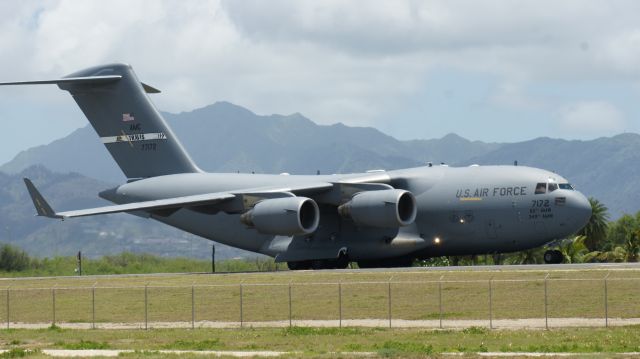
pixel 495 303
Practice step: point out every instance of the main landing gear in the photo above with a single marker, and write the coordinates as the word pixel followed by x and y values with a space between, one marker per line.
pixel 342 262
pixel 553 256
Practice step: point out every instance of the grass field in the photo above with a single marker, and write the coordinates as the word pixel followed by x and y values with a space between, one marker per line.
pixel 325 341
pixel 415 295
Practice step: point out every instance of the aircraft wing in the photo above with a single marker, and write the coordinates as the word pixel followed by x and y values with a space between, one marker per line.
pixel 44 209
pixel 247 196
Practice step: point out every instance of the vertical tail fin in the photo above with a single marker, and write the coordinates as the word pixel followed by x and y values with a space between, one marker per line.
pixel 128 124
pixel 135 134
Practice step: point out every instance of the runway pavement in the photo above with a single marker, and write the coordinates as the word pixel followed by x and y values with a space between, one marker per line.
pixel 536 267
pixel 478 268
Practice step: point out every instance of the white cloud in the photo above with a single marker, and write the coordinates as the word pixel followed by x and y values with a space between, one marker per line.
pixel 286 56
pixel 623 51
pixel 591 117
pixel 532 38
pixel 511 94
pixel 332 60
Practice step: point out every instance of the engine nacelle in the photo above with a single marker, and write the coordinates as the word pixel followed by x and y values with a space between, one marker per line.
pixel 288 216
pixel 390 208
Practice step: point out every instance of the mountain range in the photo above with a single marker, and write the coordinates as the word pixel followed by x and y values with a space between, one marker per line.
pixel 227 138
pixel 94 236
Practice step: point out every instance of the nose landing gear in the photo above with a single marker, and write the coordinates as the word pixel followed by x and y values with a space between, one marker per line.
pixel 553 257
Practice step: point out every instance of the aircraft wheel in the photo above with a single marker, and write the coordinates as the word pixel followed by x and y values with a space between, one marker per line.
pixel 299 265
pixel 342 262
pixel 367 264
pixel 553 257
pixel 319 264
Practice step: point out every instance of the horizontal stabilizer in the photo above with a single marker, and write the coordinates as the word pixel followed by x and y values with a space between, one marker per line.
pixel 68 80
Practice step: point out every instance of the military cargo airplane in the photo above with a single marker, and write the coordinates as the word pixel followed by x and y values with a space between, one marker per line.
pixel 377 219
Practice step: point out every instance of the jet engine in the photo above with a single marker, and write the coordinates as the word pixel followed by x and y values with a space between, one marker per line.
pixel 390 208
pixel 288 216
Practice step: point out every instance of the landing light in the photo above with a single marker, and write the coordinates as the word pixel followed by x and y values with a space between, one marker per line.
pixel 436 240
pixel 461 220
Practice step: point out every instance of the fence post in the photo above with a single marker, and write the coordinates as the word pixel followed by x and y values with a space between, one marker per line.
pixel 93 306
pixel 241 317
pixel 8 321
pixel 546 304
pixel 389 301
pixel 491 303
pixel 289 304
pixel 193 307
pixel 146 314
pixel 606 302
pixel 440 299
pixel 213 258
pixel 340 304
pixel 53 306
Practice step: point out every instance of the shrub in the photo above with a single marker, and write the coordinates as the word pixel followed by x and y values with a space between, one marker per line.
pixel 13 259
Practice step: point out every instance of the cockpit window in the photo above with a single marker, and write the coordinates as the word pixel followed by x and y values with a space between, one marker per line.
pixel 566 186
pixel 541 188
pixel 553 187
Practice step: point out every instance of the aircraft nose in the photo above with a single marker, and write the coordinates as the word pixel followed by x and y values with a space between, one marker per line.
pixel 581 209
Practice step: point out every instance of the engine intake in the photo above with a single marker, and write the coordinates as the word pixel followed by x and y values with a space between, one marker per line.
pixel 383 209
pixel 288 216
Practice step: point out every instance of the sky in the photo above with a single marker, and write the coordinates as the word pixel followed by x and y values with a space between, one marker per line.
pixel 496 71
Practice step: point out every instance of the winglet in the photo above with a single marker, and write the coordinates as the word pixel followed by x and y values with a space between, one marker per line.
pixel 42 207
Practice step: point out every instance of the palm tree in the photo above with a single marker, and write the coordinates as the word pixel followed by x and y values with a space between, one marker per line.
pixel 617 255
pixel 596 229
pixel 530 256
pixel 573 249
pixel 632 246
pixel 622 242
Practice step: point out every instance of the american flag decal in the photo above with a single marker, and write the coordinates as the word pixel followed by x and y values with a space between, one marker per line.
pixel 560 201
pixel 127 117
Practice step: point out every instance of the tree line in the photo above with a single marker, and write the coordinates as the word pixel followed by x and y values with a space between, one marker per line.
pixel 16 262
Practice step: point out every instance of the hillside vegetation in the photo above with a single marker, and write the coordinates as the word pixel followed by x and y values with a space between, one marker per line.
pixel 14 262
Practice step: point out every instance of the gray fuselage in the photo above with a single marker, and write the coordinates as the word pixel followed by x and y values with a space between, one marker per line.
pixel 460 211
